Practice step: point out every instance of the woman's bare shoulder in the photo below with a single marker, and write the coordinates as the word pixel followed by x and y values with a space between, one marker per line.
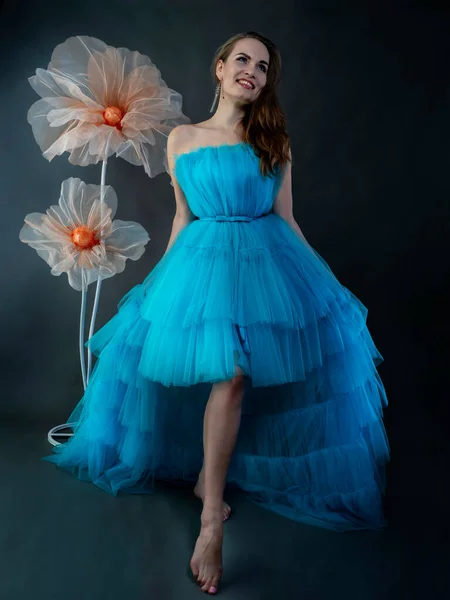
pixel 188 135
pixel 178 136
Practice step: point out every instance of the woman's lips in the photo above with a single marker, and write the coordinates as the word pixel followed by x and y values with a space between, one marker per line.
pixel 247 86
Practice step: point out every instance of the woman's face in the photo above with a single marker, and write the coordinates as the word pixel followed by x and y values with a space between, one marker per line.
pixel 248 60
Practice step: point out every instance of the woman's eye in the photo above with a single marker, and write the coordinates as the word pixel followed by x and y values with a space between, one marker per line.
pixel 263 68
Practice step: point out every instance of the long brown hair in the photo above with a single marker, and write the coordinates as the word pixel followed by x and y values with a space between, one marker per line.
pixel 264 121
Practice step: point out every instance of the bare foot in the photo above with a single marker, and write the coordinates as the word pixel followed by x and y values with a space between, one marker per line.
pixel 199 492
pixel 206 561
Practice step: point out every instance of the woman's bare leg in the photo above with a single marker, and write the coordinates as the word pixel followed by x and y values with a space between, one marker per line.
pixel 199 491
pixel 221 426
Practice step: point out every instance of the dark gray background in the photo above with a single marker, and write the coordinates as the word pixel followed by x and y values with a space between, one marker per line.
pixel 366 91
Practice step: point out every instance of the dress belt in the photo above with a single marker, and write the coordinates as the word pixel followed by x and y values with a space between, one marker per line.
pixel 232 217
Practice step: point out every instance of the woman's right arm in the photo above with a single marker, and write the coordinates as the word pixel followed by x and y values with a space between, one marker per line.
pixel 183 214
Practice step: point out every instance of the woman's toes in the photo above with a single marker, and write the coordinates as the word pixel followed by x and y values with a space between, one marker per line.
pixel 214 585
pixel 226 512
pixel 207 584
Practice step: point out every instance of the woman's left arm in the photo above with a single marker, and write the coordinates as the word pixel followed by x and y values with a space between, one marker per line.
pixel 282 205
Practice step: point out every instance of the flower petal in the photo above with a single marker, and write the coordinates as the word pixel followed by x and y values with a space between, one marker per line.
pixel 141 82
pixel 74 136
pixel 53 83
pixel 90 266
pixel 80 278
pixel 64 261
pixel 44 135
pixel 127 240
pixel 151 157
pixel 82 157
pixel 39 227
pixel 37 234
pixel 107 141
pixel 79 201
pixel 105 75
pixel 60 116
pixel 71 59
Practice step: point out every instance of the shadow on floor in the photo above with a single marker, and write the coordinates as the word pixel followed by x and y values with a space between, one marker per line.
pixel 64 538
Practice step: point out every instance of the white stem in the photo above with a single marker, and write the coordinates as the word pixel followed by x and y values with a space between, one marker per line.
pixel 81 336
pixel 92 325
pixel 99 280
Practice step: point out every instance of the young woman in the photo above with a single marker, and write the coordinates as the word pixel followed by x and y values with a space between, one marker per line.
pixel 239 296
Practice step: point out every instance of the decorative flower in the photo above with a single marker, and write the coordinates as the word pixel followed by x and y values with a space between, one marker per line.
pixel 79 237
pixel 98 101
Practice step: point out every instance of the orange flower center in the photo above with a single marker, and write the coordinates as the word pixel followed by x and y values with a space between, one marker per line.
pixel 113 115
pixel 84 238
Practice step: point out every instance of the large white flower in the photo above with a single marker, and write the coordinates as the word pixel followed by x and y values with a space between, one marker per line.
pixel 98 100
pixel 79 237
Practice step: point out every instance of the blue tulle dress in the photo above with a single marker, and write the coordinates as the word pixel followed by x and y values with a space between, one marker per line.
pixel 238 287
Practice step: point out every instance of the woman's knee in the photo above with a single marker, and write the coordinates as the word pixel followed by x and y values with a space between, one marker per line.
pixel 238 381
pixel 239 376
pixel 234 387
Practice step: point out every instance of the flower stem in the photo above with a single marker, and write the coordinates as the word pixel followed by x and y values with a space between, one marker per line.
pixel 81 336
pixel 99 280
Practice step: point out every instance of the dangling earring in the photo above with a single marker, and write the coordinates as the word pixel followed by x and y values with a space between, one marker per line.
pixel 216 95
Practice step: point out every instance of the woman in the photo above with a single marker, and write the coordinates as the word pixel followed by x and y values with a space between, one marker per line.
pixel 238 297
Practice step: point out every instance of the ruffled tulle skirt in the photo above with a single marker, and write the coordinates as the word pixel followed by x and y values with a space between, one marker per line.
pixel 311 444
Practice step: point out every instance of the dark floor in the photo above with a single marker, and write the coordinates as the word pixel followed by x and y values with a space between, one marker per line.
pixel 62 538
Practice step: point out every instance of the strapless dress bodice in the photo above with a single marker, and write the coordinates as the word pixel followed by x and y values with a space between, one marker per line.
pixel 223 183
